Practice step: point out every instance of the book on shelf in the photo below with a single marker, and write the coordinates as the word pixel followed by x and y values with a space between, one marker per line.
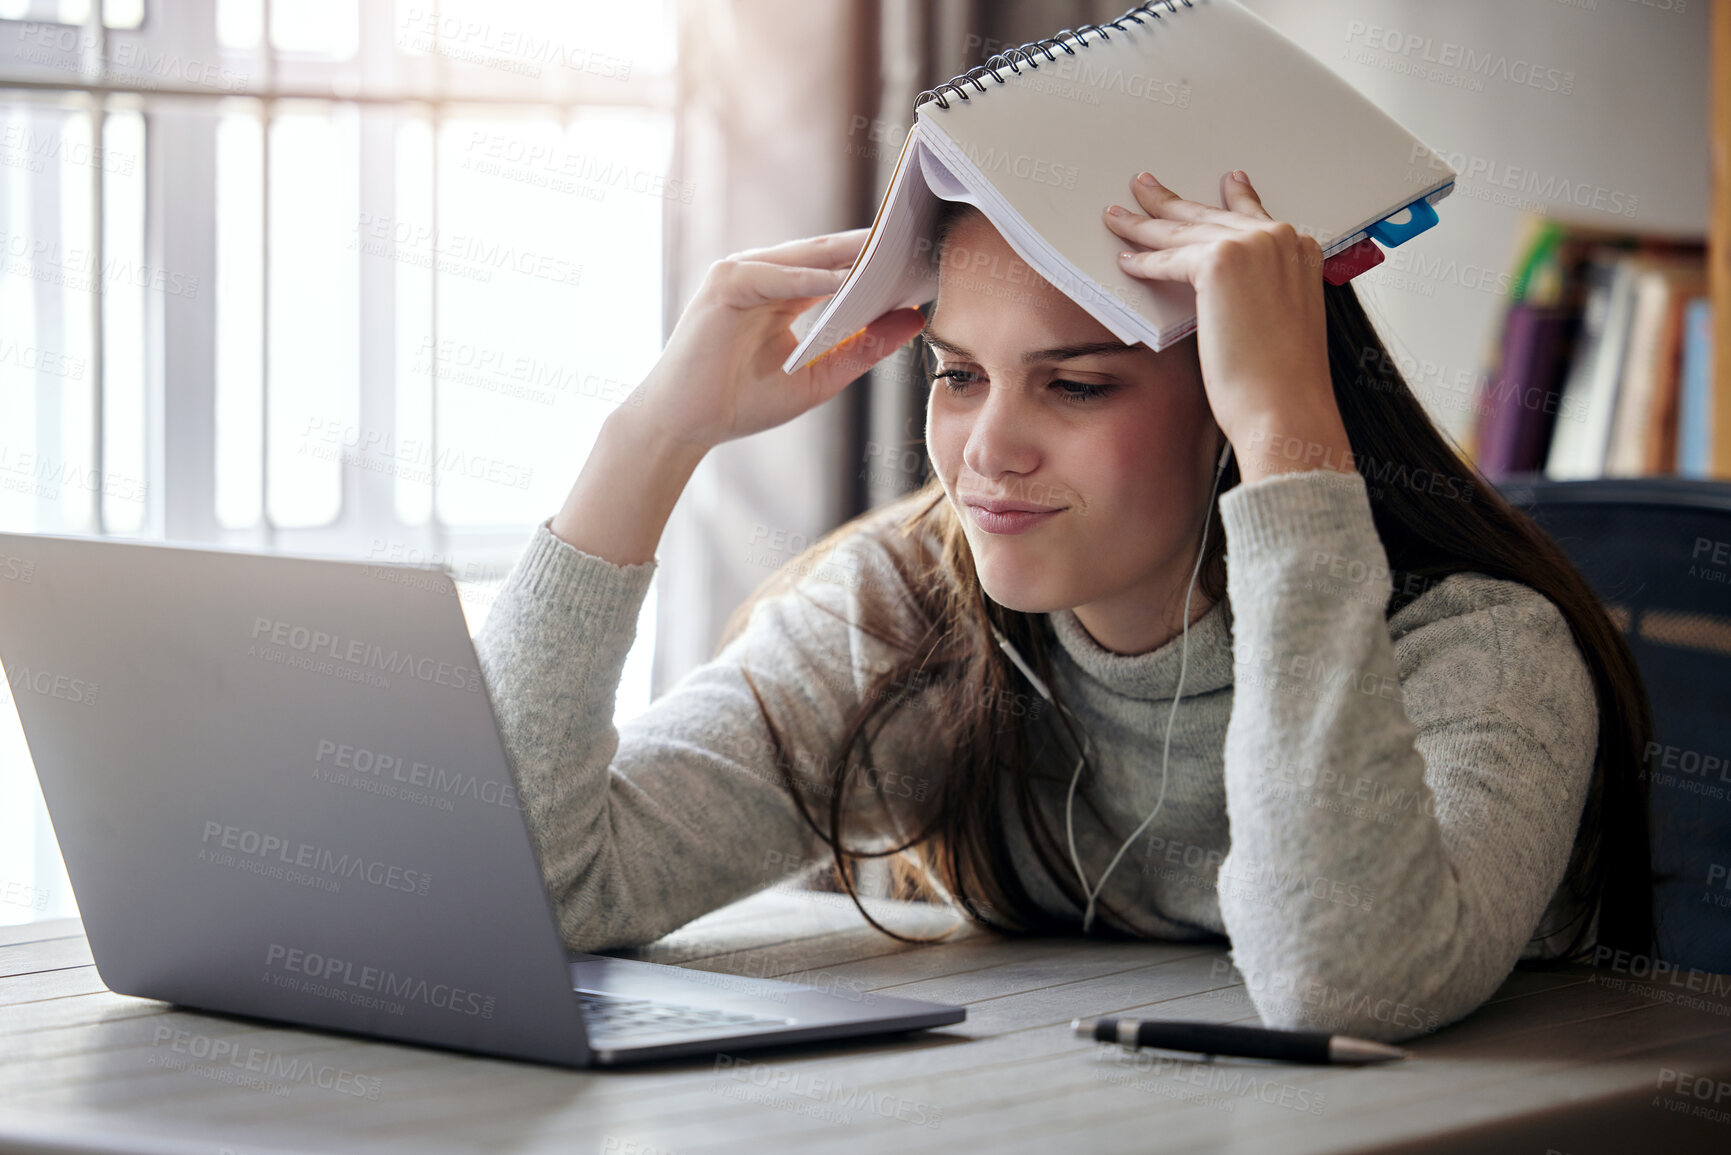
pixel 1643 437
pixel 1589 362
pixel 1518 408
pixel 1696 404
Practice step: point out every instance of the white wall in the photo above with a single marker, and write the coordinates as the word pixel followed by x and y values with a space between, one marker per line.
pixel 1616 113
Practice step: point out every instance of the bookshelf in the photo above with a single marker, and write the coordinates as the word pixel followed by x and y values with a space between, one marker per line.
pixel 1613 358
pixel 1599 365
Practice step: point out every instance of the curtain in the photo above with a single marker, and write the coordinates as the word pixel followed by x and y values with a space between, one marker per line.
pixel 790 115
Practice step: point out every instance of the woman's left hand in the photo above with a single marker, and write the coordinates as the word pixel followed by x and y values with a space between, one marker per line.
pixel 1260 327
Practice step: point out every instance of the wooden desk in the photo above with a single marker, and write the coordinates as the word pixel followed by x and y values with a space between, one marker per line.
pixel 1565 1062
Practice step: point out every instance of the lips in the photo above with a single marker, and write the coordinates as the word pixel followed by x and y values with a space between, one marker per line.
pixel 991 506
pixel 1008 517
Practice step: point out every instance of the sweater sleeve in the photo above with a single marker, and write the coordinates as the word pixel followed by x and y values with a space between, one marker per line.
pixel 1403 795
pixel 642 827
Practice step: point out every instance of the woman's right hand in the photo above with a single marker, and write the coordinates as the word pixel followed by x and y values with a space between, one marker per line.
pixel 720 376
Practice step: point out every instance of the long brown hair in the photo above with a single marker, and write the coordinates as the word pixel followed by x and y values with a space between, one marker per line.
pixel 936 614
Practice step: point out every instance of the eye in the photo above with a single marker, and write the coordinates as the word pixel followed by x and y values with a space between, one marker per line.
pixel 958 380
pixel 1081 391
pixel 955 380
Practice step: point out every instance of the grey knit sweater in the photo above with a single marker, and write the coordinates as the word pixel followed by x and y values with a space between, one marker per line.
pixel 1375 812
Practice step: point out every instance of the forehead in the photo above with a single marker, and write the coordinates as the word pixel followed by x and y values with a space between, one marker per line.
pixel 987 292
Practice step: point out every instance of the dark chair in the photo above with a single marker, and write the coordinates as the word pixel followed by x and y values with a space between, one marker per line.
pixel 1658 552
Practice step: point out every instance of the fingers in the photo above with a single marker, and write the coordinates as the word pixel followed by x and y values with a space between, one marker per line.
pixel 1159 201
pixel 829 251
pixel 1156 232
pixel 1179 264
pixel 1277 246
pixel 1173 223
pixel 831 372
pixel 1241 196
pixel 751 283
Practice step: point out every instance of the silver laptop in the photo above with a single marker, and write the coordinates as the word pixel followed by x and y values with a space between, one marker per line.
pixel 280 791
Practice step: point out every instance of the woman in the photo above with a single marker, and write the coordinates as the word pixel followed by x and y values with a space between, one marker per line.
pixel 1220 640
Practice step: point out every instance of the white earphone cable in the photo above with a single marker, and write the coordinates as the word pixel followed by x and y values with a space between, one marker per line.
pixel 1093 893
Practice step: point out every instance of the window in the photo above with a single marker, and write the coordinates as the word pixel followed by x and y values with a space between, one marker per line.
pixel 318 277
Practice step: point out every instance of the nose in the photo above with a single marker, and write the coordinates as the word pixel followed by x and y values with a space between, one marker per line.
pixel 1001 439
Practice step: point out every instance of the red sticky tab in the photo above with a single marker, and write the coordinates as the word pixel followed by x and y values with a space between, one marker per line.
pixel 1349 263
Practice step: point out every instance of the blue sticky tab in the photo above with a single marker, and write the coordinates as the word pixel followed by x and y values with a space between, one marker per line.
pixel 1420 216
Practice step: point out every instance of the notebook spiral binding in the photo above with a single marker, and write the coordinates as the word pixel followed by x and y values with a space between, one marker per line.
pixel 1026 52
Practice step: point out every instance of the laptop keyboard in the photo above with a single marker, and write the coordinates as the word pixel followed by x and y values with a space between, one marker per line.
pixel 615 1016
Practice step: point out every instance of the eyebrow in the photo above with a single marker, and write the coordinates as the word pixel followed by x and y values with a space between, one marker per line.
pixel 1034 357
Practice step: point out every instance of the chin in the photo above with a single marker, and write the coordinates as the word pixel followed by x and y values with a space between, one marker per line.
pixel 1024 596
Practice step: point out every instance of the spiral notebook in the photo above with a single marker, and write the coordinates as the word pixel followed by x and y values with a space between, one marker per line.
pixel 1042 137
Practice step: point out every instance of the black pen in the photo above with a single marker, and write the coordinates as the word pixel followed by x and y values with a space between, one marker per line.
pixel 1225 1039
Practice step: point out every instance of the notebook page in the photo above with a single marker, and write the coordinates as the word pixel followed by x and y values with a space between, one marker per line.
pixel 893 270
pixel 951 177
pixel 897 267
